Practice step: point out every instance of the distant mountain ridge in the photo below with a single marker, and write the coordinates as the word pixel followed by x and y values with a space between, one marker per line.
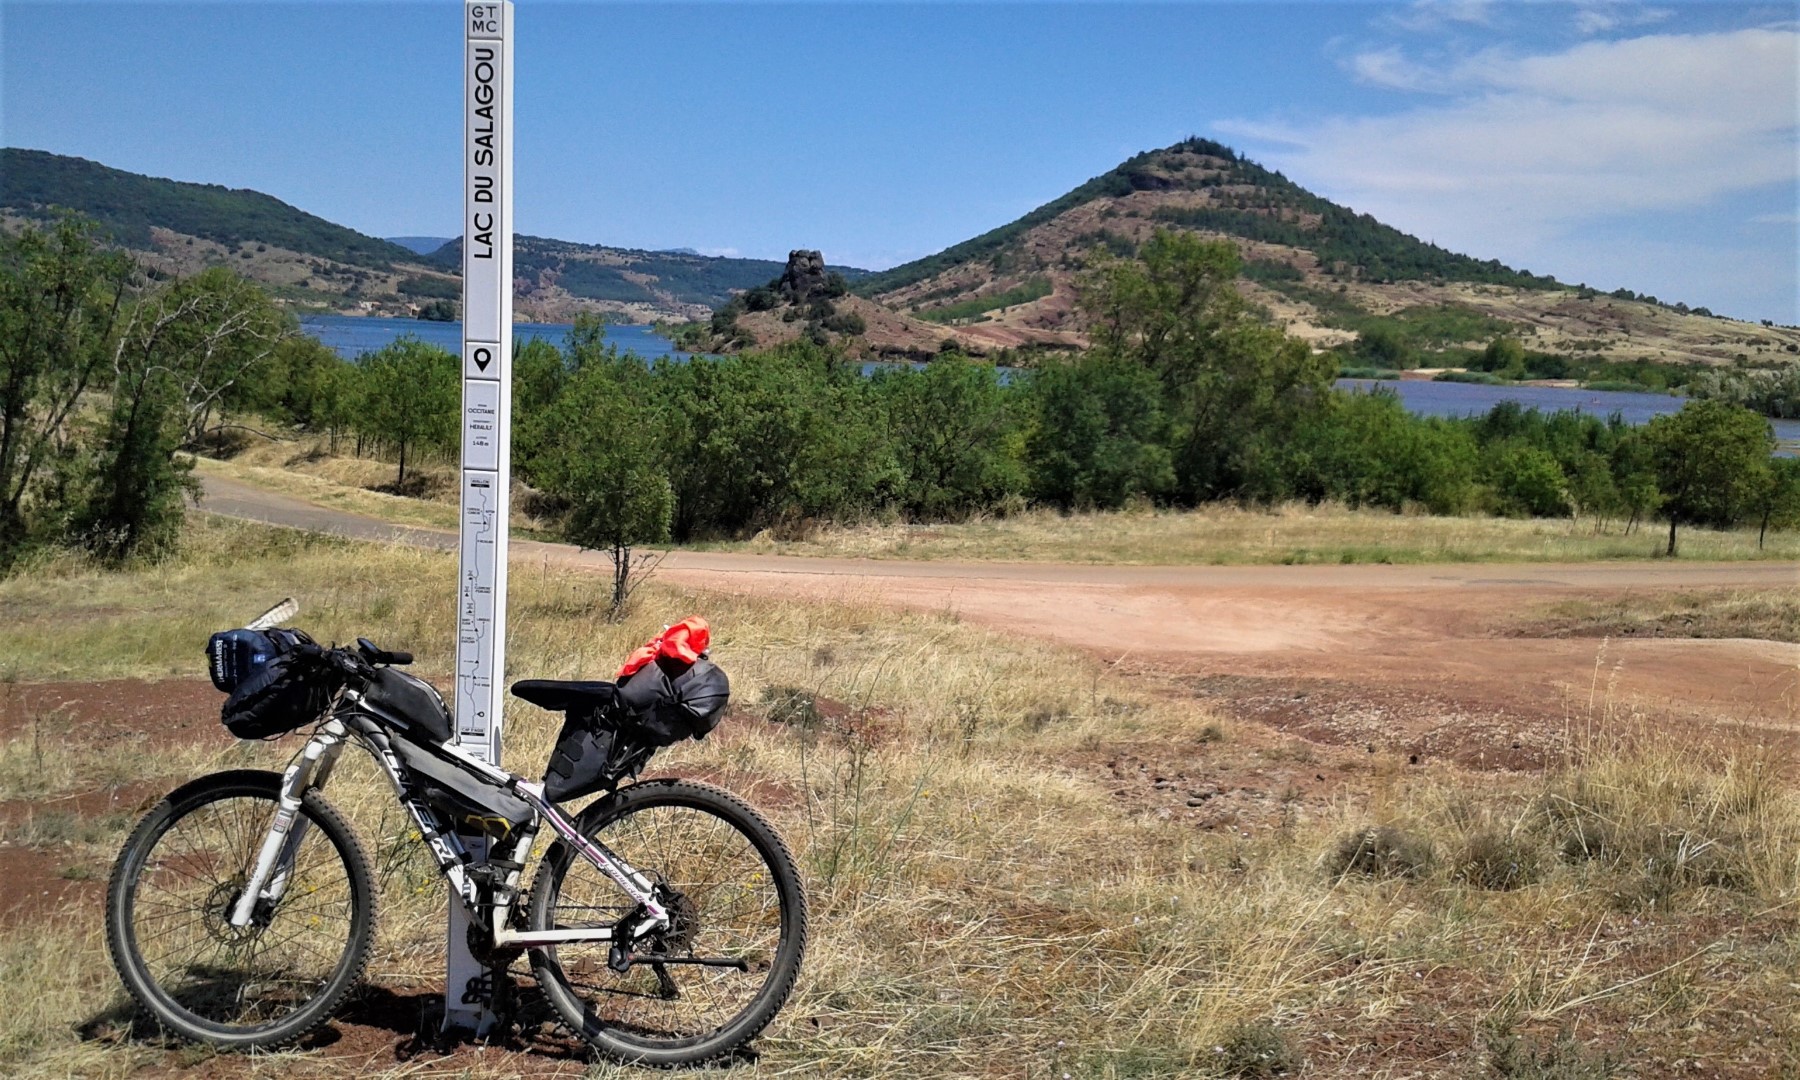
pixel 419 245
pixel 315 264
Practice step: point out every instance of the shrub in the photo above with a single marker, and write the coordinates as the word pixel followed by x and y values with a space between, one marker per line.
pixel 846 322
pixel 1256 1049
pixel 1381 851
pixel 791 705
pixel 1491 859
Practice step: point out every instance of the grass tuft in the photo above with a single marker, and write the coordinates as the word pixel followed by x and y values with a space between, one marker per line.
pixel 1255 1050
pixel 1381 851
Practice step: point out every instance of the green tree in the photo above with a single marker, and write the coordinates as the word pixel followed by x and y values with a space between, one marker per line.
pixel 596 452
pixel 1634 478
pixel 1505 357
pixel 134 500
pixel 1229 382
pixel 1383 345
pixel 1367 450
pixel 212 335
pixel 1710 460
pixel 1099 435
pixel 954 434
pixel 760 439
pixel 539 373
pixel 1591 488
pixel 410 397
pixel 61 300
pixel 1527 481
pixel 1778 501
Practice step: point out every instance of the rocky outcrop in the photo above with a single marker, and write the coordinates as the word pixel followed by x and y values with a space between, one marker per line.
pixel 804 277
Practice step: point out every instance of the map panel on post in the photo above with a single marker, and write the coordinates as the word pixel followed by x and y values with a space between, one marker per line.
pixel 475 606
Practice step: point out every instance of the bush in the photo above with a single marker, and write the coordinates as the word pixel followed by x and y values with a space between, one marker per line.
pixel 1255 1049
pixel 1491 859
pixel 846 322
pixel 1382 851
pixel 1099 434
pixel 1528 482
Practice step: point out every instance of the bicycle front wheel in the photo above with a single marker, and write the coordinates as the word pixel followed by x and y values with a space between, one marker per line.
pixel 733 952
pixel 173 890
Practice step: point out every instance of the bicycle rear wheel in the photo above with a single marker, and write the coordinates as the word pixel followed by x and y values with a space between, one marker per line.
pixel 175 883
pixel 736 898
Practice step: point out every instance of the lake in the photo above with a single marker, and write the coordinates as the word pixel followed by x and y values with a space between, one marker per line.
pixel 351 336
pixel 1424 398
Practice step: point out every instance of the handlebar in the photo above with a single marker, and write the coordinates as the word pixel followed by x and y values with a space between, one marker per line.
pixel 357 662
pixel 382 656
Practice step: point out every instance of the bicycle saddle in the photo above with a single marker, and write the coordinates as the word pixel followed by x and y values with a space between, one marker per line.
pixel 559 695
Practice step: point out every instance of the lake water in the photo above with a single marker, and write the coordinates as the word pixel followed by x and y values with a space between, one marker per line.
pixel 351 336
pixel 1425 398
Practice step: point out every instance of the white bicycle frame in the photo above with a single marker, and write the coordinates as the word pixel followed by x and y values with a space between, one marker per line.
pixel 312 767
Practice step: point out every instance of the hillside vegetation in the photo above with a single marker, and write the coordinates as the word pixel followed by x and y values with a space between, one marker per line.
pixel 130 207
pixel 308 262
pixel 1324 272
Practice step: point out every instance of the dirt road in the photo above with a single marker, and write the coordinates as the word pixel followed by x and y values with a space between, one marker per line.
pixel 1410 657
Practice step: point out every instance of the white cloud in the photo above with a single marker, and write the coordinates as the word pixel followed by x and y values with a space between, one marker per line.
pixel 1604 16
pixel 1391 68
pixel 1427 15
pixel 1529 144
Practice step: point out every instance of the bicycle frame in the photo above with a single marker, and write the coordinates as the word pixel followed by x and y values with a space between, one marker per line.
pixel 312 767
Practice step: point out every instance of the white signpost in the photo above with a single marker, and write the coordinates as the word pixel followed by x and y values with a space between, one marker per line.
pixel 486 438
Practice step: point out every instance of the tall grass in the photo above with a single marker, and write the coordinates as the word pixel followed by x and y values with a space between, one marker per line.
pixel 1287 534
pixel 984 903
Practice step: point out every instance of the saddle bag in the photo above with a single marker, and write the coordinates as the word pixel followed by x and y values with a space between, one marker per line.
pixel 668 691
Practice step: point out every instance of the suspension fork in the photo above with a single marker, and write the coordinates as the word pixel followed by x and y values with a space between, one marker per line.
pixel 274 866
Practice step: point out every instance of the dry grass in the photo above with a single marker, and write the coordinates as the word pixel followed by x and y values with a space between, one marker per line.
pixel 983 905
pixel 1769 614
pixel 305 469
pixel 1285 535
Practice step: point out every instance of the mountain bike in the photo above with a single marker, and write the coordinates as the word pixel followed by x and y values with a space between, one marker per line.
pixel 665 924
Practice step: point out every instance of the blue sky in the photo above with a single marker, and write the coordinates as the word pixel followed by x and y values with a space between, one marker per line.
pixel 1649 146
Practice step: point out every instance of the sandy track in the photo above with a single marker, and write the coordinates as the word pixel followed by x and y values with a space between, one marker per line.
pixel 1405 656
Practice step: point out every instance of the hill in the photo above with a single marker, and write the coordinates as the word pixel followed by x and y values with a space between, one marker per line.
pixel 1324 271
pixel 314 264
pixel 812 300
pixel 132 206
pixel 556 278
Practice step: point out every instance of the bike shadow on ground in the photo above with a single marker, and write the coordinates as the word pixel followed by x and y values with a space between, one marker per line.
pixel 410 1021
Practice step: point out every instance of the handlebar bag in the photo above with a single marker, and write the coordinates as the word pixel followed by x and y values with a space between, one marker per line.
pixel 288 691
pixel 232 656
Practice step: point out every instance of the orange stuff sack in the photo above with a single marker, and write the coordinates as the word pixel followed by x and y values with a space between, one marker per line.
pixel 683 642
